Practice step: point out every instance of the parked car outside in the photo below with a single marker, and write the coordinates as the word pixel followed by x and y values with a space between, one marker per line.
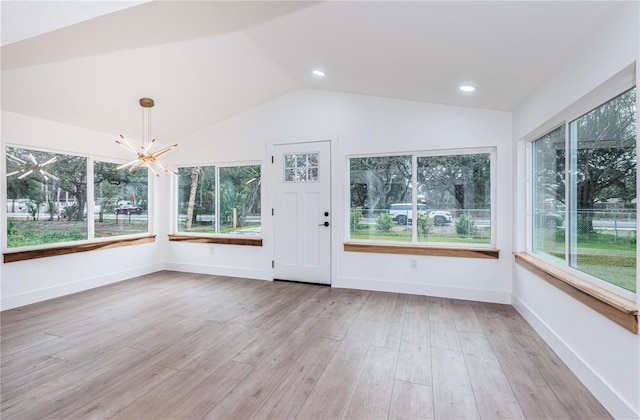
pixel 128 210
pixel 402 214
pixel 548 219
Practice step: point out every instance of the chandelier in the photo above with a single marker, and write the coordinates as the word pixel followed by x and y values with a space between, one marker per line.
pixel 30 167
pixel 146 157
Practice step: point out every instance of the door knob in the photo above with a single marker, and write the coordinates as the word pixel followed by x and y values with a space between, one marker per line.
pixel 324 224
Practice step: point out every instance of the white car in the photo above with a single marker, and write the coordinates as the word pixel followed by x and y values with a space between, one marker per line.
pixel 402 214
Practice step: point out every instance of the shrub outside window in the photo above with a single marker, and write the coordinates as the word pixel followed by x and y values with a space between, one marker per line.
pixel 451 199
pixel 236 200
pixel 121 200
pixel 596 229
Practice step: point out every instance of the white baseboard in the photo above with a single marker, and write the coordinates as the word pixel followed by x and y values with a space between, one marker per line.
pixel 15 301
pixel 481 295
pixel 219 270
pixel 618 408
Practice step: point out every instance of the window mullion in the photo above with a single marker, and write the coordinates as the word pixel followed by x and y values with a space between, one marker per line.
pixel 414 198
pixel 90 201
pixel 571 199
pixel 217 198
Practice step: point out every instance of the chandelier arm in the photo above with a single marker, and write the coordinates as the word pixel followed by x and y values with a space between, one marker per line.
pixel 152 170
pixel 148 146
pixel 14 172
pixel 125 165
pixel 163 151
pixel 29 172
pixel 126 144
pixel 16 159
pixel 53 159
pixel 167 169
pixel 49 174
pixel 138 164
pixel 35 162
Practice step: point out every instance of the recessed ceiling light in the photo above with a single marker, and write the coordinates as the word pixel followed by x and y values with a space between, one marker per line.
pixel 318 73
pixel 467 88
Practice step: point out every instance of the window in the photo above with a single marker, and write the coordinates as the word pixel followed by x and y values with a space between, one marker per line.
pixel 236 200
pixel 450 202
pixel 121 200
pixel 584 193
pixel 48 199
pixel 46 195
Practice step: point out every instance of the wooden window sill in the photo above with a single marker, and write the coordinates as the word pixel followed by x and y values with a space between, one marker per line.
pixel 228 240
pixel 616 308
pixel 440 251
pixel 54 251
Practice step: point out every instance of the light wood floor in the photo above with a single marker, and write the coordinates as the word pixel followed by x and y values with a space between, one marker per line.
pixel 172 345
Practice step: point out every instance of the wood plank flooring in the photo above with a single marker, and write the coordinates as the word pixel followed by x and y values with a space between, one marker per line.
pixel 173 345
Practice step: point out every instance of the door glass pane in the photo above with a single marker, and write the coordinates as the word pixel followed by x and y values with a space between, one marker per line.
pixel 301 167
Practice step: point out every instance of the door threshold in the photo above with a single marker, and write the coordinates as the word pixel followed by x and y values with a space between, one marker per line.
pixel 304 282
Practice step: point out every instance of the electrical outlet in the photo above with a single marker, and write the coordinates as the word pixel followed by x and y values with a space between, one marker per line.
pixel 414 263
pixel 212 250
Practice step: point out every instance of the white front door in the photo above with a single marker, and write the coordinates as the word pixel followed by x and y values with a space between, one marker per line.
pixel 302 206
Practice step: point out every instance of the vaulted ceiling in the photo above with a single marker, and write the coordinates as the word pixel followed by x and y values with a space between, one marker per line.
pixel 87 63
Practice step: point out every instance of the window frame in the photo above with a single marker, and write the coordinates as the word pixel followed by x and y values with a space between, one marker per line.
pixel 414 155
pixel 68 247
pixel 200 237
pixel 617 85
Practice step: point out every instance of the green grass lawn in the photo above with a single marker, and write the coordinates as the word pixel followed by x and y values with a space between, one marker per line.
pixel 211 230
pixel 602 255
pixel 42 232
pixel 433 237
pixel 39 232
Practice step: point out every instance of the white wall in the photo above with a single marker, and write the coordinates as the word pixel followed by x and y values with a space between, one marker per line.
pixel 605 356
pixel 31 281
pixel 361 124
